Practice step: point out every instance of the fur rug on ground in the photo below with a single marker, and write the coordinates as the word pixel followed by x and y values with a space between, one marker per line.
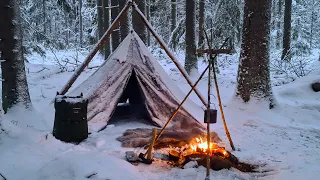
pixel 178 135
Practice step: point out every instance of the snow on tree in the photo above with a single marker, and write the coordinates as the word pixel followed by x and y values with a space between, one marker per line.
pixel 253 73
pixel 14 81
pixel 224 19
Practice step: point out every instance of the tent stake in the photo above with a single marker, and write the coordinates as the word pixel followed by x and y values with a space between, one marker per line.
pixel 180 105
pixel 169 53
pixel 98 46
pixel 218 93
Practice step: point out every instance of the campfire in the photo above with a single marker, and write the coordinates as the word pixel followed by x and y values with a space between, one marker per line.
pixel 197 146
pixel 201 146
pixel 182 153
pixel 196 151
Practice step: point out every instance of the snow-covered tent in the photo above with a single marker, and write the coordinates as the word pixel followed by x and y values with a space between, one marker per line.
pixel 132 74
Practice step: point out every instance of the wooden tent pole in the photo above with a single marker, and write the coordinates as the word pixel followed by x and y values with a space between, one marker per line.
pixel 169 53
pixel 208 118
pixel 98 46
pixel 218 94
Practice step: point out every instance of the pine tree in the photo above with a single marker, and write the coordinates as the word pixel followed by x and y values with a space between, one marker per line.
pixel 80 23
pixel 253 73
pixel 100 12
pixel 191 62
pixel 201 23
pixel 225 19
pixel 312 22
pixel 301 26
pixel 106 23
pixel 173 20
pixel 116 33
pixel 137 23
pixel 279 18
pixel 44 16
pixel 124 24
pixel 287 30
pixel 14 80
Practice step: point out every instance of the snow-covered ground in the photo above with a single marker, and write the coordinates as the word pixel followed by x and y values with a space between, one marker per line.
pixel 286 138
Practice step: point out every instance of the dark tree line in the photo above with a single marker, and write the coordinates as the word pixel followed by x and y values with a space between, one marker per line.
pixel 63 24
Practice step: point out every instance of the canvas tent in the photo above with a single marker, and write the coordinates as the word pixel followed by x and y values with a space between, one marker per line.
pixel 132 73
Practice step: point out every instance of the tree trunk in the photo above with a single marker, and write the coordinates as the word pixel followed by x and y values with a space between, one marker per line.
pixel 124 24
pixel 201 23
pixel 14 80
pixel 106 23
pixel 279 15
pixel 116 32
pixel 191 62
pixel 273 14
pixel 100 12
pixel 80 23
pixel 137 23
pixel 100 20
pixel 173 21
pixel 287 31
pixel 253 73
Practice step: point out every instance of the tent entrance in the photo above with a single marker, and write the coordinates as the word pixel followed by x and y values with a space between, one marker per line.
pixel 131 106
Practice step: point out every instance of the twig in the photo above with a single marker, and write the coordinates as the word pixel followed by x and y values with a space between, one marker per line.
pixel 91 175
pixel 93 67
pixel 4 178
pixel 43 68
pixel 42 93
pixel 68 62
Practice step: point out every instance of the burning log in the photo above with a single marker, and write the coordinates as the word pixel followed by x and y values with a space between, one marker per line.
pixel 174 155
pixel 196 151
pixel 217 162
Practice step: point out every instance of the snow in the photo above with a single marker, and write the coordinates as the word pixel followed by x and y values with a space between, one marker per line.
pixel 70 99
pixel 286 138
pixel 121 52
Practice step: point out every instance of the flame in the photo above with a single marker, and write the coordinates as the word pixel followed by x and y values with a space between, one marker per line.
pixel 201 146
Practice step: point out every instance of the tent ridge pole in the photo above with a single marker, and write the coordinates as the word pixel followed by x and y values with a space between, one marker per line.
pixel 169 53
pixel 98 46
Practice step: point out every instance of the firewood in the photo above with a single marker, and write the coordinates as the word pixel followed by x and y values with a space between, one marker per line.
pixel 216 163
